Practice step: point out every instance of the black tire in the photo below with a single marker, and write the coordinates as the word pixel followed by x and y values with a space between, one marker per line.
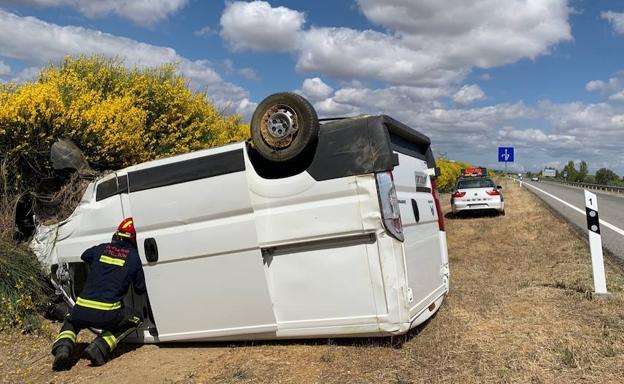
pixel 293 117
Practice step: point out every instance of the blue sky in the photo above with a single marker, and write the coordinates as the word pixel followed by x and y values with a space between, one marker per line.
pixel 544 76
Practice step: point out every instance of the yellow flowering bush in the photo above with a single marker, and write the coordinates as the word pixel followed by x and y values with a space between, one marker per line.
pixel 449 172
pixel 117 116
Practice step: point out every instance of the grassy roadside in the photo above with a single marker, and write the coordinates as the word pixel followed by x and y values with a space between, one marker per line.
pixel 520 310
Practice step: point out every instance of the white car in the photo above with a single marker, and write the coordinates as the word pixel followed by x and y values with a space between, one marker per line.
pixel 344 239
pixel 534 178
pixel 477 193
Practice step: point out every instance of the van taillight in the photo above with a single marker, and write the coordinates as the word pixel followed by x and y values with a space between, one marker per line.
pixel 389 202
pixel 436 199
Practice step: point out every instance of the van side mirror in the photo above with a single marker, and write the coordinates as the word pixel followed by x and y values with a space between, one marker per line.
pixel 438 171
pixel 499 187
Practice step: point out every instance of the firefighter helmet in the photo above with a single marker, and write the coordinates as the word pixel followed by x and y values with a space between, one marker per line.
pixel 126 229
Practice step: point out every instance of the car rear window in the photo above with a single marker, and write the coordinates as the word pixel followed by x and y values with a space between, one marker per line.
pixel 475 183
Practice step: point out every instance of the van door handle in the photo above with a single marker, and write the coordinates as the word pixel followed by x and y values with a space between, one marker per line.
pixel 416 211
pixel 151 250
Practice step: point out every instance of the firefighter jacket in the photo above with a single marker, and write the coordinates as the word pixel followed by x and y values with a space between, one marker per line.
pixel 113 267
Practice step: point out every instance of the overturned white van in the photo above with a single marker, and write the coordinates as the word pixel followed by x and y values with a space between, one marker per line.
pixel 345 238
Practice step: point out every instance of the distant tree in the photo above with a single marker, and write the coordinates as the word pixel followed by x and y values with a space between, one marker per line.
pixel 582 173
pixel 605 176
pixel 570 170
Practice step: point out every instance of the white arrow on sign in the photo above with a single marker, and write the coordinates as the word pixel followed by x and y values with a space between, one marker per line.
pixel 506 155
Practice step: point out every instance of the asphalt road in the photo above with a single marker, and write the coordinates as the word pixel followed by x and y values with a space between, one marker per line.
pixel 610 211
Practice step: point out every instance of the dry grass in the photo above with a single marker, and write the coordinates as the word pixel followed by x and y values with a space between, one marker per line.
pixel 520 310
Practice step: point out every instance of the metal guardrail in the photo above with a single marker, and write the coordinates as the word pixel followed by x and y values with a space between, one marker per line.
pixel 598 187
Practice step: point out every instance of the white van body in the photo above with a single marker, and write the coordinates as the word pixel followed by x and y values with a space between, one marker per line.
pixel 241 255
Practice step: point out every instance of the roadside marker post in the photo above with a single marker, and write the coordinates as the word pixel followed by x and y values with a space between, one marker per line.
pixel 595 244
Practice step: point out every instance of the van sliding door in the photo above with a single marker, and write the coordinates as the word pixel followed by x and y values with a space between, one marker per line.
pixel 197 239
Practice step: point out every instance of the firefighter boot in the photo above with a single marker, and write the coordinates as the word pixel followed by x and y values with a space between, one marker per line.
pixel 62 361
pixel 98 352
pixel 62 349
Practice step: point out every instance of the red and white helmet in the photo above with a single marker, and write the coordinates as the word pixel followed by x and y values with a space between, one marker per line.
pixel 126 229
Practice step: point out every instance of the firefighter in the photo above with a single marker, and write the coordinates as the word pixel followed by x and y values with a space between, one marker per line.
pixel 113 267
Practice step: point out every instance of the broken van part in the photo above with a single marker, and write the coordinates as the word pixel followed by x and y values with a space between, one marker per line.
pixel 66 155
pixel 351 244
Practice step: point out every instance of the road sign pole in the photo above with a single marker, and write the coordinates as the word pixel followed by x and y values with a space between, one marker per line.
pixel 506 155
pixel 505 175
pixel 595 244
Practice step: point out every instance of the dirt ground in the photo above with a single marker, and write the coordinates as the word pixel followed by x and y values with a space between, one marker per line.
pixel 520 309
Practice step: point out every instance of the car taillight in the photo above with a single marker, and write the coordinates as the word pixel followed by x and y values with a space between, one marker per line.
pixel 436 199
pixel 459 194
pixel 493 192
pixel 389 202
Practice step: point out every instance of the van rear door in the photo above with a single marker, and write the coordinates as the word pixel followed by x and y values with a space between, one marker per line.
pixel 197 239
pixel 424 256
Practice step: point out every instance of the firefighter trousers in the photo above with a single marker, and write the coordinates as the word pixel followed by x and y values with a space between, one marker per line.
pixel 115 326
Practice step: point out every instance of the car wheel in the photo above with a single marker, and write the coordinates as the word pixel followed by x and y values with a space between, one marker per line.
pixel 283 125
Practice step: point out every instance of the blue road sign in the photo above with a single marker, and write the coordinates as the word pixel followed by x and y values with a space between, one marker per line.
pixel 506 154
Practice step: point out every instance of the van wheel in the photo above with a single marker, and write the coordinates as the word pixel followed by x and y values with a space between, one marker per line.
pixel 283 125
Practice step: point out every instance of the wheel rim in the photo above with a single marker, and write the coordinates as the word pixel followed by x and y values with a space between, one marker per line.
pixel 279 126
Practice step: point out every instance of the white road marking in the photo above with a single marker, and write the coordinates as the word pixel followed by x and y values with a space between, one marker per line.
pixel 602 222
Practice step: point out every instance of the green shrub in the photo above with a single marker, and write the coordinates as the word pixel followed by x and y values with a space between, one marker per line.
pixel 23 287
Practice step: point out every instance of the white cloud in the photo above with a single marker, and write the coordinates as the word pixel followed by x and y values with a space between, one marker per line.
pixel 536 136
pixel 426 43
pixel 593 132
pixel 421 54
pixel 249 73
pixel 26 74
pixel 595 85
pixel 257 26
pixel 5 69
pixel 591 121
pixel 612 88
pixel 38 42
pixel 246 108
pixel 205 31
pixel 468 94
pixel 329 108
pixel 315 89
pixel 616 19
pixel 617 96
pixel 399 101
pixel 142 12
pixel 351 54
